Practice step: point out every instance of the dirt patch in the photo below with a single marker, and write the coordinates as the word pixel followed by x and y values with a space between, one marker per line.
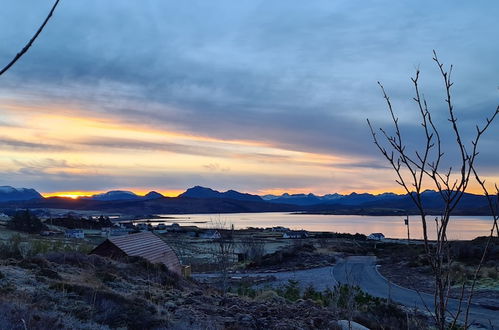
pixel 293 258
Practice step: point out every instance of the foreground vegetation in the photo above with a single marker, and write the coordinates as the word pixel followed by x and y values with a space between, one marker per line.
pixel 409 267
pixel 75 290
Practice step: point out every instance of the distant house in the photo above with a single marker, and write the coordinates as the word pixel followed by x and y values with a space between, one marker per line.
pixel 145 244
pixel 376 237
pixel 295 234
pixel 211 234
pixel 74 233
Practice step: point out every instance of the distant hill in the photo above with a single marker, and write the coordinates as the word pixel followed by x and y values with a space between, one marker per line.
pixel 388 203
pixel 311 199
pixel 164 205
pixel 203 192
pixel 205 200
pixel 114 195
pixel 8 193
pixel 153 195
pixel 296 199
pixel 381 204
pixel 123 195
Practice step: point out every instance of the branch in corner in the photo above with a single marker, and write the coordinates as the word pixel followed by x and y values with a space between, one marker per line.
pixel 30 42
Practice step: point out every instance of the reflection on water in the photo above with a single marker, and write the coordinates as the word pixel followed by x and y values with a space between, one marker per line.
pixel 461 227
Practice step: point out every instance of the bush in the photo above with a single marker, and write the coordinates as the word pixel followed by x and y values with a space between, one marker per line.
pixel 269 295
pixel 290 291
pixel 49 273
pixel 113 309
pixel 26 221
pixel 312 294
pixel 18 247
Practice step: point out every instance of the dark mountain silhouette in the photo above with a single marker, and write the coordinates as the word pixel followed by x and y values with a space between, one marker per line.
pixel 163 205
pixel 311 199
pixel 153 195
pixel 297 199
pixel 123 195
pixel 203 192
pixel 205 200
pixel 470 204
pixel 8 193
pixel 114 195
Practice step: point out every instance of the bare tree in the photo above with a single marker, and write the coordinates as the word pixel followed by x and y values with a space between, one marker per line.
pixel 30 42
pixel 253 248
pixel 422 169
pixel 223 250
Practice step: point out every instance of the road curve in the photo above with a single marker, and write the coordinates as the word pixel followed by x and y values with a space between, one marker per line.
pixel 361 271
pixel 320 278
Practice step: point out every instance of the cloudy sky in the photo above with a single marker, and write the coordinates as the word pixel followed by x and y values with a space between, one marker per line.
pixel 257 96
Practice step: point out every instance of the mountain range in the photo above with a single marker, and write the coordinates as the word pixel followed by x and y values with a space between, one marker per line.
pixel 8 193
pixel 115 195
pixel 205 200
pixel 202 192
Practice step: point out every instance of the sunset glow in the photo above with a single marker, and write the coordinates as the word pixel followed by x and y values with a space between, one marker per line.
pixel 69 194
pixel 264 108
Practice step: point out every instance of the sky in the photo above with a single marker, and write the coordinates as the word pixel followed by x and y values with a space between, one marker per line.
pixel 257 96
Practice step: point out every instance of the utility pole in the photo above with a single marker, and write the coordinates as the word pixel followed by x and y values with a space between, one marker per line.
pixel 406 221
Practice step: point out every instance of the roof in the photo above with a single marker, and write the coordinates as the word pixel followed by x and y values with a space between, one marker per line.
pixel 148 246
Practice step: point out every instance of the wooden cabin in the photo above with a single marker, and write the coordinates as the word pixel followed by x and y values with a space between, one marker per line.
pixel 145 244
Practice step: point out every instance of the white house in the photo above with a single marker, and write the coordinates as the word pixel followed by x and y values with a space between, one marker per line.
pixel 211 234
pixel 376 237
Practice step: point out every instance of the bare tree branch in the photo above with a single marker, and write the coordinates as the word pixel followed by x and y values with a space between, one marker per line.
pixel 30 42
pixel 411 172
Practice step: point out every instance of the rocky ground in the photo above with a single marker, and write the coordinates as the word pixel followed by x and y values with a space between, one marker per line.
pixel 298 257
pixel 72 290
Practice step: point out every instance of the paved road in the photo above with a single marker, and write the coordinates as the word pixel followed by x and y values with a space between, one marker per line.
pixel 361 271
pixel 320 278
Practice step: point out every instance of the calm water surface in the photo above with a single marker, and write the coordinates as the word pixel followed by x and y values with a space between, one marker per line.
pixel 461 227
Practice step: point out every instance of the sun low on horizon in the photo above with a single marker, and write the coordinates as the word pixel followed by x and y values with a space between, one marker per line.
pixel 80 194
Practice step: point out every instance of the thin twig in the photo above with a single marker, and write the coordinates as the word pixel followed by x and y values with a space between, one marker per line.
pixel 31 41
